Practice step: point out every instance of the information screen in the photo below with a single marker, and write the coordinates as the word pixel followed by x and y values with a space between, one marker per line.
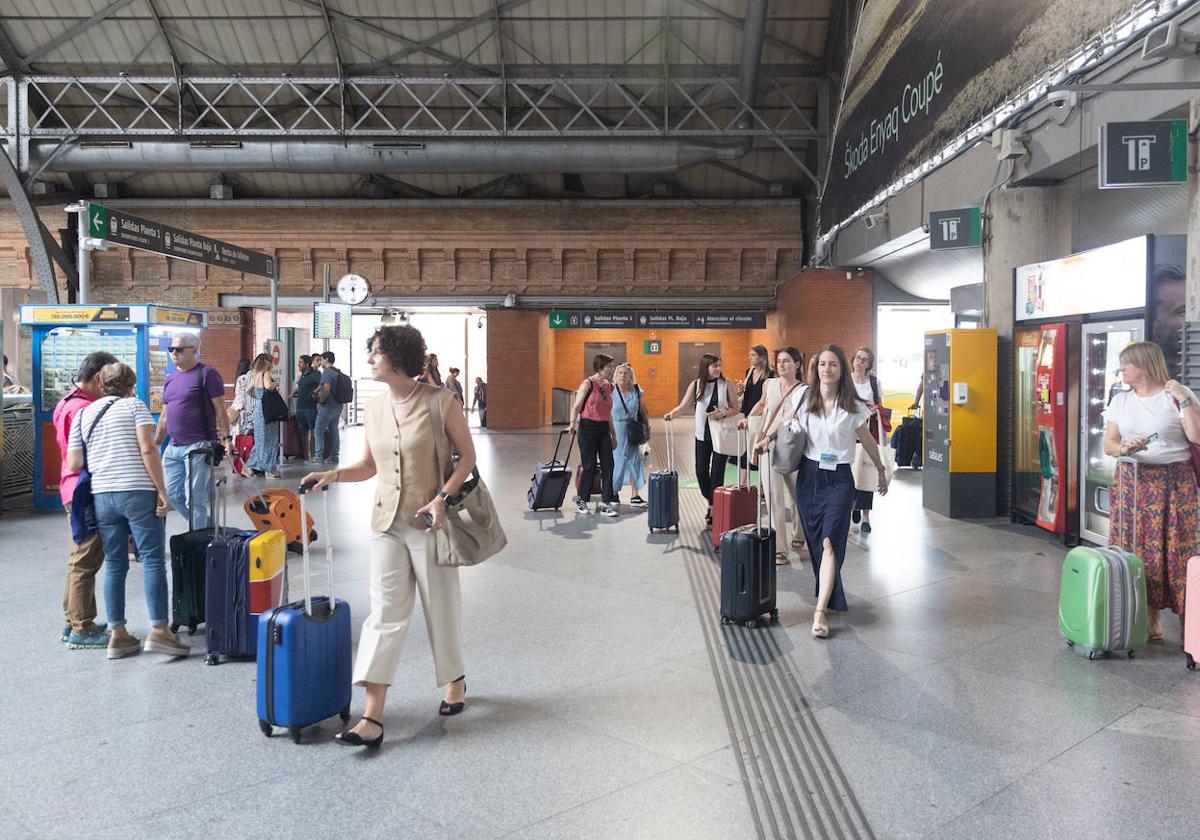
pixel 331 320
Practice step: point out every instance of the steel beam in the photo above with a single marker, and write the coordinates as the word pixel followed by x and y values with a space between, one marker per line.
pixel 77 30
pixel 32 225
pixel 807 57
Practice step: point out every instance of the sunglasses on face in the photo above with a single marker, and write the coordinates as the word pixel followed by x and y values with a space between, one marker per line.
pixel 179 349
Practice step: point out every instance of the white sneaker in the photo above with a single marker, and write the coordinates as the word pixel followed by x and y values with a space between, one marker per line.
pixel 608 510
pixel 581 507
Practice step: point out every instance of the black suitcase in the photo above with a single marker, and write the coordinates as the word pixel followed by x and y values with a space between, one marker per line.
pixel 664 493
pixel 548 490
pixel 748 570
pixel 907 442
pixel 188 551
pixel 227 604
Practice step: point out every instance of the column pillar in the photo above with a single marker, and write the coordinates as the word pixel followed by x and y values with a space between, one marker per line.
pixel 1193 219
pixel 1021 226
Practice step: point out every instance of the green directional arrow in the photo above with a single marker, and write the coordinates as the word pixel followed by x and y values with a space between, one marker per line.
pixel 97 221
pixel 557 320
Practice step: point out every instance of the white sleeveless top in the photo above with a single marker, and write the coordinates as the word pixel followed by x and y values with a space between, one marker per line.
pixel 702 405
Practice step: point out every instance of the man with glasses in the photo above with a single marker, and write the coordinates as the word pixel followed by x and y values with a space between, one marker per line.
pixel 194 416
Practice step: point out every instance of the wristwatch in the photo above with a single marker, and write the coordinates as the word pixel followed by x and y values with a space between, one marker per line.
pixel 444 496
pixel 1187 402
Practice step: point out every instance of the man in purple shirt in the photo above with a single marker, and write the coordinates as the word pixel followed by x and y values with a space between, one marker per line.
pixel 194 416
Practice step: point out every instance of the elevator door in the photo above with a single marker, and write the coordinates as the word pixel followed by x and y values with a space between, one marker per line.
pixel 616 349
pixel 689 360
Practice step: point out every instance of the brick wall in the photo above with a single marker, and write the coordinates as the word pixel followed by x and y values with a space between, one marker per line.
pixel 821 306
pixel 520 367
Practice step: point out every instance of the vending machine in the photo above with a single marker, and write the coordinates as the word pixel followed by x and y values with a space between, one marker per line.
pixel 63 334
pixel 1050 410
pixel 1101 374
pixel 960 422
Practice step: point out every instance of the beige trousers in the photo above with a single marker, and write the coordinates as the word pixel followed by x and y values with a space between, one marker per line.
pixel 403 563
pixel 79 589
pixel 780 491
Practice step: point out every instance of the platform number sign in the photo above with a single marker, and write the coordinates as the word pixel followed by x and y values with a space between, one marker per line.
pixel 1143 154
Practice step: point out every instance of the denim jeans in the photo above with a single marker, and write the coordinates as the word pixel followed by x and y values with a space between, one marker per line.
pixel 185 475
pixel 306 422
pixel 327 422
pixel 117 516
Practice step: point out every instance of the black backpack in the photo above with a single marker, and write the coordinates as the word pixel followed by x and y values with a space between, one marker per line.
pixel 343 389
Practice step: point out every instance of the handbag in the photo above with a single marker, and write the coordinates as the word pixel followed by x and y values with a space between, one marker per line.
pixel 790 444
pixel 274 407
pixel 83 503
pixel 472 531
pixel 866 476
pixel 725 434
pixel 636 432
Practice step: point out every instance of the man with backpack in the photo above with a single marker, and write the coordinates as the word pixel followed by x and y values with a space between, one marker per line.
pixel 336 389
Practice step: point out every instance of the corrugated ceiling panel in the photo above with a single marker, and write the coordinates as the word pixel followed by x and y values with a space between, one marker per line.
pixel 931 274
pixel 1108 216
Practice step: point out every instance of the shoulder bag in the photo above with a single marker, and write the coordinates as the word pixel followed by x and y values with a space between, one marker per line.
pixel 636 432
pixel 866 476
pixel 471 532
pixel 274 407
pixel 83 503
pixel 791 443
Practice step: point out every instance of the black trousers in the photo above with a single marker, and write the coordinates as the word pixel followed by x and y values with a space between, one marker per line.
pixel 595 444
pixel 710 469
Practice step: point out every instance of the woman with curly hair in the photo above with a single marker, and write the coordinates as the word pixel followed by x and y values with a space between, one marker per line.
pixel 400 453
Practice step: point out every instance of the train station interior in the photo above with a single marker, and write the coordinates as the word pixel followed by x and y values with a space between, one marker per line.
pixel 972 226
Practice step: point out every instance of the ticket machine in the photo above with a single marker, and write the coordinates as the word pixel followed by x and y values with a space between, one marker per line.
pixel 62 335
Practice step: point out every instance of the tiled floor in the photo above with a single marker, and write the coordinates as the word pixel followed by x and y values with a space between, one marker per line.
pixel 607 701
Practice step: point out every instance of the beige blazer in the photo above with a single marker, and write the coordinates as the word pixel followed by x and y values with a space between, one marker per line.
pixel 408 475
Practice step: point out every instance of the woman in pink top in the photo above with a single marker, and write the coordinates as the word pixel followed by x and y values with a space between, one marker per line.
pixel 591 416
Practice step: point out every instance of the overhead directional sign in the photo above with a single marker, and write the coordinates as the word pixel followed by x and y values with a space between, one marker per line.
pixel 955 229
pixel 673 319
pixel 1143 154
pixel 134 232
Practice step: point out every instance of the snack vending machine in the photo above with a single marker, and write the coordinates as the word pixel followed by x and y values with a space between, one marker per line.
pixel 63 334
pixel 1101 377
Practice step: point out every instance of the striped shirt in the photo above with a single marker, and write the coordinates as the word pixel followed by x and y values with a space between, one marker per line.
pixel 113 456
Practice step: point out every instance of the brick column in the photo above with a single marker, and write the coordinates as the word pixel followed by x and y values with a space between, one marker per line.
pixel 519 377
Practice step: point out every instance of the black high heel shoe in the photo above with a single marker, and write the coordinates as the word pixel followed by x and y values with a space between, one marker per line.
pixel 448 709
pixel 353 739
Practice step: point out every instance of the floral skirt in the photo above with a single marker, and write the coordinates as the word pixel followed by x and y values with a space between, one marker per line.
pixel 1159 525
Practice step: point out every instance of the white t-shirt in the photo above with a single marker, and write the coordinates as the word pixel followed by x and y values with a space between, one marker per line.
pixel 113 456
pixel 1136 416
pixel 837 434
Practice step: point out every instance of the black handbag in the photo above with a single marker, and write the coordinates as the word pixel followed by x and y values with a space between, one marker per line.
pixel 274 407
pixel 636 431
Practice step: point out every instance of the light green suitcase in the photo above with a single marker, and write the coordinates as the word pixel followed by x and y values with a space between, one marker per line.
pixel 1102 600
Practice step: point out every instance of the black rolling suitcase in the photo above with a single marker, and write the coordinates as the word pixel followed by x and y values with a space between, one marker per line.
pixel 748 569
pixel 548 490
pixel 907 442
pixel 227 628
pixel 664 493
pixel 188 552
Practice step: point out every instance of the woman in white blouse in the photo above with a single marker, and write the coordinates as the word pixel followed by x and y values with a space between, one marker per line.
pixel 835 418
pixel 1155 508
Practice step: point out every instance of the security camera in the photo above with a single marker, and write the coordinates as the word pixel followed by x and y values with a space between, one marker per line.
pixel 873 220
pixel 1167 40
pixel 1062 98
pixel 510 300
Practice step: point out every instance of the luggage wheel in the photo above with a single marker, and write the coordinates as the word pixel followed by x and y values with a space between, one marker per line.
pixel 753 623
pixel 775 615
pixel 212 659
pixel 192 629
pixel 1191 662
pixel 294 731
pixel 725 620
pixel 174 627
pixel 266 728
pixel 1131 654
pixel 1070 643
pixel 1094 654
pixel 344 714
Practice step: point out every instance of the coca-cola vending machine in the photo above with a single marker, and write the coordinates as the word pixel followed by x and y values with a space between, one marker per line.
pixel 1050 410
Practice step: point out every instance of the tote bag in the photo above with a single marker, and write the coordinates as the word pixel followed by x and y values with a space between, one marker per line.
pixel 866 476
pixel 725 434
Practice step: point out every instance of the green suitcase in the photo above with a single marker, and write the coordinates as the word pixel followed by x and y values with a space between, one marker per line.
pixel 1102 600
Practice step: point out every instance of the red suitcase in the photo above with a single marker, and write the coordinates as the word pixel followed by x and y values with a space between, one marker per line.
pixel 294 445
pixel 733 507
pixel 596 487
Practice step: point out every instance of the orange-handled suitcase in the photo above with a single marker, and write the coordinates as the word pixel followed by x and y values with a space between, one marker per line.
pixel 277 508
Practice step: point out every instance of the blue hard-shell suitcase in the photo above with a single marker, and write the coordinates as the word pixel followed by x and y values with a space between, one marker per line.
pixel 664 493
pixel 304 668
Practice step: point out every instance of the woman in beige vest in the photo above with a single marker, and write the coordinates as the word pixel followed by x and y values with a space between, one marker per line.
pixel 400 451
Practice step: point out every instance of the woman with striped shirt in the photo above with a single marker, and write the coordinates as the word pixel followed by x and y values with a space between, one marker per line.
pixel 114 439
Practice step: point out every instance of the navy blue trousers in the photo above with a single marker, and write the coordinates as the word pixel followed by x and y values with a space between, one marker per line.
pixel 824 499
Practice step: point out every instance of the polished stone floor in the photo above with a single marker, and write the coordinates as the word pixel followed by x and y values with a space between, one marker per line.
pixel 606 700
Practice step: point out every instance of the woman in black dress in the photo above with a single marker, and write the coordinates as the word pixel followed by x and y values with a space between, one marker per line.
pixel 751 389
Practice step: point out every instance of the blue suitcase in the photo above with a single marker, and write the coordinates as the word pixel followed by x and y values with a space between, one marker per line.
pixel 664 493
pixel 304 667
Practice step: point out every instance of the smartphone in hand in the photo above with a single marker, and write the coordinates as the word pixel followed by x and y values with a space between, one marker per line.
pixel 425 518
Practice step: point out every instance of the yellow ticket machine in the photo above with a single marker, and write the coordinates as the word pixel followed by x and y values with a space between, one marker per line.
pixel 959 479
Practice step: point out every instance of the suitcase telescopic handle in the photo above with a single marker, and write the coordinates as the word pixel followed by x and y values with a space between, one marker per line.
pixel 218 515
pixel 670 446
pixel 306 488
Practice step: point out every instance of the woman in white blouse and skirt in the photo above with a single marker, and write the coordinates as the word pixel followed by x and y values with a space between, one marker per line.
pixel 835 419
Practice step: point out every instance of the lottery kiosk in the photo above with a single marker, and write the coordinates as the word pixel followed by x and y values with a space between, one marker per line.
pixel 62 335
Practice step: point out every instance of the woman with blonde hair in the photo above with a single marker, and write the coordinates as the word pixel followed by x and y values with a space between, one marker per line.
pixel 627 409
pixel 264 457
pixel 1155 505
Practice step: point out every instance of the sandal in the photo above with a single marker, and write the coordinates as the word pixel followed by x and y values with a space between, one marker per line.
pixel 820 627
pixel 448 709
pixel 353 739
pixel 797 544
pixel 781 559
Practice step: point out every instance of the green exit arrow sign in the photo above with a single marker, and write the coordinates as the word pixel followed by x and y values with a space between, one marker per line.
pixel 97 221
pixel 559 320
